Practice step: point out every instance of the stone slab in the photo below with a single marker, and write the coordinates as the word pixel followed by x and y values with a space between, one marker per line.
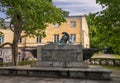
pixel 81 73
pixel 60 64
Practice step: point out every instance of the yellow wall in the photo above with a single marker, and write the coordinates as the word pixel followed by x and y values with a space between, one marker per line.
pixel 81 37
pixel 64 27
pixel 8 35
pixel 85 33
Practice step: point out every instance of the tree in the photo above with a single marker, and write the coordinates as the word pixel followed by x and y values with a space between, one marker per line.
pixel 30 16
pixel 105 25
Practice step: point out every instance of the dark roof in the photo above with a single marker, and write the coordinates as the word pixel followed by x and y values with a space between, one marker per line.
pixel 74 16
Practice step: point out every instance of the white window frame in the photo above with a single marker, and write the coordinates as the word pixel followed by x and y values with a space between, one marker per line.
pixel 56 25
pixel 56 38
pixel 20 40
pixel 38 39
pixel 73 38
pixel 1 39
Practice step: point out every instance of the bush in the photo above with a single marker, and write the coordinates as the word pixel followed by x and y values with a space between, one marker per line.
pixel 26 62
pixel 22 63
pixel 5 64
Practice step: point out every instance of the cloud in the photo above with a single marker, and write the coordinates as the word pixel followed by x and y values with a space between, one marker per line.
pixel 73 1
pixel 78 7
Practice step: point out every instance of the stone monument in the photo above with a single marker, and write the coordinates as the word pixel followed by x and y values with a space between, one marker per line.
pixel 60 54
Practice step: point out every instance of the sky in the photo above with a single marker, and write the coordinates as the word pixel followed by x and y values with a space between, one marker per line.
pixel 75 7
pixel 78 7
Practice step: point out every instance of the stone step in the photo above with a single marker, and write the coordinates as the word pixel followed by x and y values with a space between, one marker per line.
pixel 59 64
pixel 81 73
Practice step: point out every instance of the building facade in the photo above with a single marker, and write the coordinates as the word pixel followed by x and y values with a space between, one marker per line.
pixel 75 26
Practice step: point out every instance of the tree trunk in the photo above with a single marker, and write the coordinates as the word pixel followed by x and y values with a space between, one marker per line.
pixel 17 32
pixel 14 51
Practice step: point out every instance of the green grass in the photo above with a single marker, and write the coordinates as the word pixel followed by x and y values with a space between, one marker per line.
pixel 117 56
pixel 111 67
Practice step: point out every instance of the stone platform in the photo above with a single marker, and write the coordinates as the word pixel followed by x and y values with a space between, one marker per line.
pixel 93 72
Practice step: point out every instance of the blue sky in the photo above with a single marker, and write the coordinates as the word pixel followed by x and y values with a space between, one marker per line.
pixel 75 7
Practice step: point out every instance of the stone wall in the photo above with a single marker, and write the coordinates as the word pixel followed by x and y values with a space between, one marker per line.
pixel 6 54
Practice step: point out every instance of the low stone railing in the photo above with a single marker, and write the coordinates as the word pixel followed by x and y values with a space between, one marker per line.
pixel 105 61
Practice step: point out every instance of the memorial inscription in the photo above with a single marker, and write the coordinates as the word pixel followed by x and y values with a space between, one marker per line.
pixel 59 55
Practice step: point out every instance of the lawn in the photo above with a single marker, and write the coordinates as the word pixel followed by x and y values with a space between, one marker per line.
pixel 112 67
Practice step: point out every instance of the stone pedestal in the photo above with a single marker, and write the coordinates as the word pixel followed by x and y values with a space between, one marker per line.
pixel 60 55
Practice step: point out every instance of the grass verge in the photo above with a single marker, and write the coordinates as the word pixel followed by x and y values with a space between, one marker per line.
pixel 111 67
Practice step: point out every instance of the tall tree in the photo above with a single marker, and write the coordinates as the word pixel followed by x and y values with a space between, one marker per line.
pixel 30 16
pixel 105 28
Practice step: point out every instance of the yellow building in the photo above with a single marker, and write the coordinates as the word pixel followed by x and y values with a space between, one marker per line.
pixel 75 26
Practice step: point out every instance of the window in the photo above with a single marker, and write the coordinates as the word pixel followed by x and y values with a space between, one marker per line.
pixel 1 39
pixel 0 52
pixel 73 23
pixel 56 38
pixel 20 40
pixel 73 38
pixel 38 39
pixel 57 25
pixel 19 56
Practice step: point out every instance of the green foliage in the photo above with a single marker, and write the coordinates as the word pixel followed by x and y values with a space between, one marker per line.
pixel 105 26
pixel 2 24
pixel 1 33
pixel 26 62
pixel 35 14
pixel 5 64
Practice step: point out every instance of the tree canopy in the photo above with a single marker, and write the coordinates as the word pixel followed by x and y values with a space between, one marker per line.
pixel 30 16
pixel 34 14
pixel 105 26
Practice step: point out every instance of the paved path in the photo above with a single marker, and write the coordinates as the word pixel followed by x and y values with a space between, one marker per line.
pixel 19 79
pixel 115 75
pixel 13 79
